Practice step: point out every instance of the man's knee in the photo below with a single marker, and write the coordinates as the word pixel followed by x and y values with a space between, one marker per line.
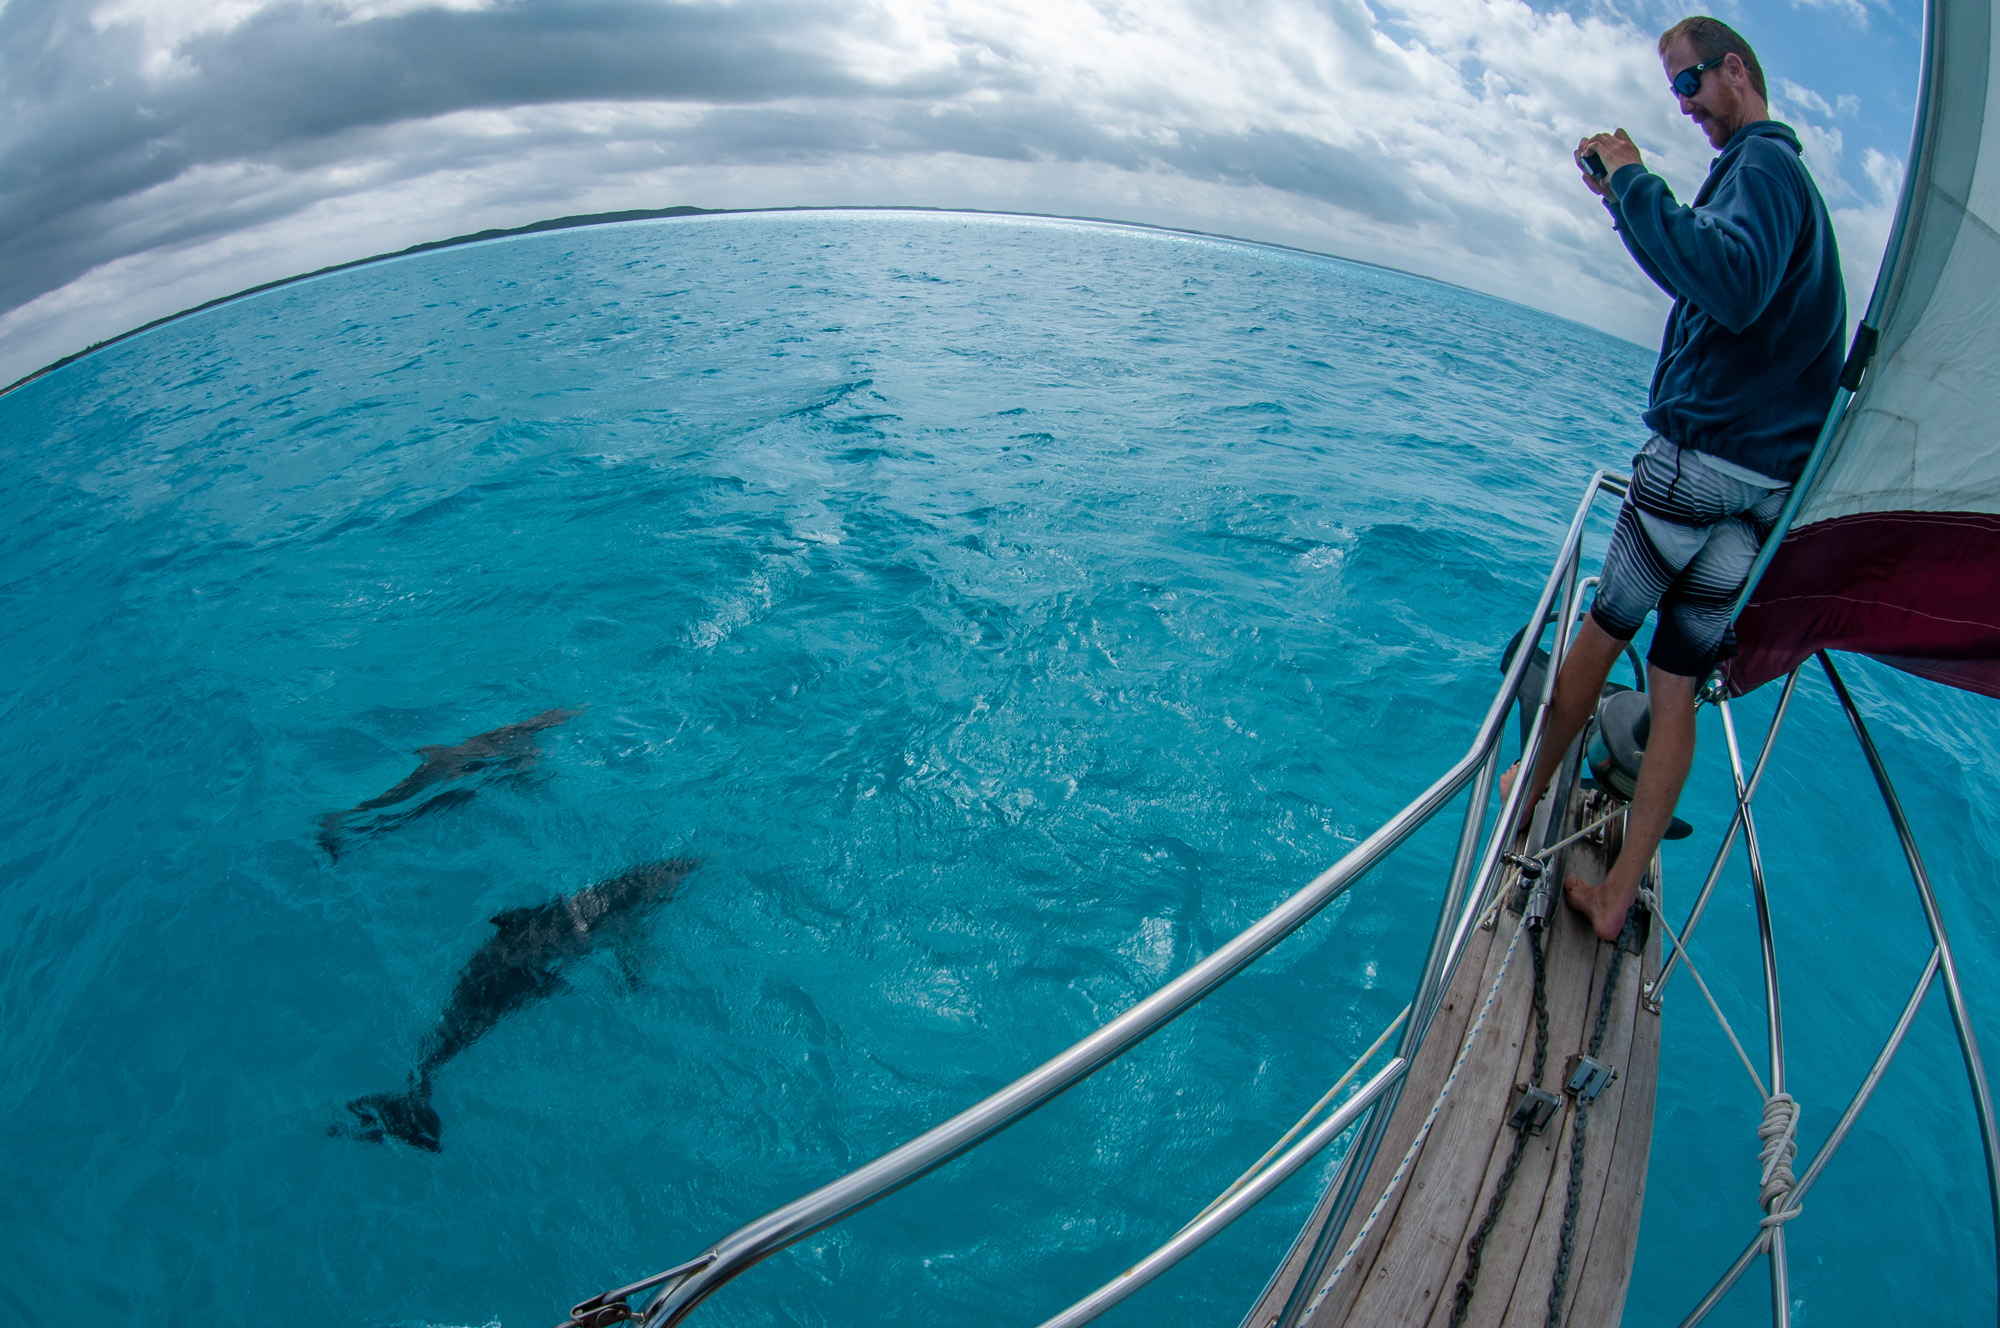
pixel 1594 649
pixel 1670 692
pixel 1621 625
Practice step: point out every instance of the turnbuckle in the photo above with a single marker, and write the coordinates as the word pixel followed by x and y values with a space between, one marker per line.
pixel 600 1311
pixel 607 1308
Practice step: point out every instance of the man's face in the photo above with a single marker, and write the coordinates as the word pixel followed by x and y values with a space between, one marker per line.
pixel 1718 109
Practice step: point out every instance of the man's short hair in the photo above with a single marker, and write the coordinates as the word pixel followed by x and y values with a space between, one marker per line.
pixel 1711 39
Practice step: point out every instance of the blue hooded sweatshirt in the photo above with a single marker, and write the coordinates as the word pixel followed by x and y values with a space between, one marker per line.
pixel 1752 351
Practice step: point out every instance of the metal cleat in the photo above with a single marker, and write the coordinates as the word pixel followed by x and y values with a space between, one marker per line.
pixel 1584 1077
pixel 1531 893
pixel 1533 1109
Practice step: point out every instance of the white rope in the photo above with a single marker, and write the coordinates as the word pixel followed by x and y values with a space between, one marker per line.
pixel 1424 1130
pixel 1777 1132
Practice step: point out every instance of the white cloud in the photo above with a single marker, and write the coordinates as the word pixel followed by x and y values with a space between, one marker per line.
pixel 1854 11
pixel 1885 173
pixel 168 24
pixel 1824 148
pixel 1863 227
pixel 1792 95
pixel 165 27
pixel 1432 135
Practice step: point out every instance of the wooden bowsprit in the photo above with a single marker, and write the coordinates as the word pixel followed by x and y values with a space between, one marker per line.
pixel 1559 1243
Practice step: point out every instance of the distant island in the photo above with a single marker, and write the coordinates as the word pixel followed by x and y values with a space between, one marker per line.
pixel 500 233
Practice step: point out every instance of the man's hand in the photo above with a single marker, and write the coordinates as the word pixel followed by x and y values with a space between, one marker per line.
pixel 1615 150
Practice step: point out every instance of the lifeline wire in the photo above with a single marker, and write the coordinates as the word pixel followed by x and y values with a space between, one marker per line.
pixel 1304 1121
pixel 1565 842
pixel 1777 1131
pixel 1652 901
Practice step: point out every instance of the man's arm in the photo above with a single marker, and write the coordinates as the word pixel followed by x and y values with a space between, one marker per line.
pixel 1638 252
pixel 1614 152
pixel 1727 256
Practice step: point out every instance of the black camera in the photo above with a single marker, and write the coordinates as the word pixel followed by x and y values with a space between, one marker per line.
pixel 1592 164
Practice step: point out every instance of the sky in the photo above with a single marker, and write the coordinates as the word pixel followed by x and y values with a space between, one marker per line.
pixel 155 154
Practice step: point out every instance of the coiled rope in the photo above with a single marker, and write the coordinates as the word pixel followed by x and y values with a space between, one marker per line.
pixel 1779 1134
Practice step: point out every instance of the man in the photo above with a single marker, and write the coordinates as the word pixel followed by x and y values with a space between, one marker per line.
pixel 1747 372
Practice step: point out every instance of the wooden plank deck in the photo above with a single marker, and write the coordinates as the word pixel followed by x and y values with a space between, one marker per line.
pixel 1404 1273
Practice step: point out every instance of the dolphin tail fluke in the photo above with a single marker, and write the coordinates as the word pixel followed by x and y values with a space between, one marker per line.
pixel 407 1116
pixel 331 824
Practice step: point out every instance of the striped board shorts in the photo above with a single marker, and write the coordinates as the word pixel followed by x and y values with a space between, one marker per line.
pixel 1684 543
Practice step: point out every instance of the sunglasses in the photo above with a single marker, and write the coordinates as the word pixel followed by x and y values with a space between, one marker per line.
pixel 1688 82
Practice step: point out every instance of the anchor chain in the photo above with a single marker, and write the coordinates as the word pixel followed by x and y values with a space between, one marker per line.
pixel 1580 1129
pixel 1475 1249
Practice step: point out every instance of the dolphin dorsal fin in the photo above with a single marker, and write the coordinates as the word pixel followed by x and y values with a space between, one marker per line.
pixel 513 919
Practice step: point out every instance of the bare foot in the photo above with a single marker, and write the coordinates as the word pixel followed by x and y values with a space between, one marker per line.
pixel 1605 910
pixel 1507 778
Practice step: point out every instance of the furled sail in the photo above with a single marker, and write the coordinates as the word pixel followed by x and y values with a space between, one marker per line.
pixel 1893 549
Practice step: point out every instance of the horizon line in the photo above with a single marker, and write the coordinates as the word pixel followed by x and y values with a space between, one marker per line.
pixel 579 220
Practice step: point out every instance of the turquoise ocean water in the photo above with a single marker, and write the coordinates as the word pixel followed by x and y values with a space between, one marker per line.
pixel 1002 612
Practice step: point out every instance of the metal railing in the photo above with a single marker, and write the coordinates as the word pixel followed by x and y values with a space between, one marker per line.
pixel 678 1290
pixel 1476 863
pixel 1465 898
pixel 1940 966
pixel 1336 1205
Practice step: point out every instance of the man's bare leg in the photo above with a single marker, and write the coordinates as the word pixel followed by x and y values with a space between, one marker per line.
pixel 1669 754
pixel 1578 687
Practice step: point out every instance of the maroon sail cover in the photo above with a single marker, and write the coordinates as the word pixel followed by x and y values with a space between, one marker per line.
pixel 1895 549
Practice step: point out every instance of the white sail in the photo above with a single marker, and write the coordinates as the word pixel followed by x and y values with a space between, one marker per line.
pixel 1894 548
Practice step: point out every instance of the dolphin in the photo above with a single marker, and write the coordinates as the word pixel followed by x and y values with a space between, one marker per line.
pixel 521 963
pixel 507 750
